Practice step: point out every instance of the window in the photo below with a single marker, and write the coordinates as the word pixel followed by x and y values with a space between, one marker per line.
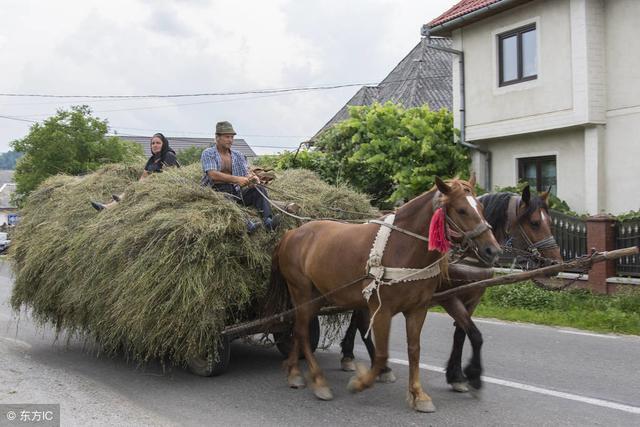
pixel 539 172
pixel 517 55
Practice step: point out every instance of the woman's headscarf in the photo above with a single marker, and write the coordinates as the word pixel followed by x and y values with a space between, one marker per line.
pixel 165 146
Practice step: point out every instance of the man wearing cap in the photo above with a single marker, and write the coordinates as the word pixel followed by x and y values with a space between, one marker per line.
pixel 226 170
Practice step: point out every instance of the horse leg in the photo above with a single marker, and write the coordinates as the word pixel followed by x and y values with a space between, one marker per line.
pixel 362 320
pixel 347 343
pixel 300 296
pixel 365 378
pixel 454 374
pixel 319 384
pixel 417 398
pixel 458 311
pixel 291 365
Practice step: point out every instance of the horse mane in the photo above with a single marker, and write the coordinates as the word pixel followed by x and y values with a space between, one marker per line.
pixel 496 207
pixel 455 183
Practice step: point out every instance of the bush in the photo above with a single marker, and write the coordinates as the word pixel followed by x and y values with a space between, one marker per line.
pixel 525 295
pixel 189 155
pixel 386 151
pixel 72 142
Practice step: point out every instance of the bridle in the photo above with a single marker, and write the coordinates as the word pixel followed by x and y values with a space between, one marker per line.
pixel 468 237
pixel 548 242
pixel 454 230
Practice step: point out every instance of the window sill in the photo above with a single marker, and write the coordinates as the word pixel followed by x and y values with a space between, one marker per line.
pixel 516 87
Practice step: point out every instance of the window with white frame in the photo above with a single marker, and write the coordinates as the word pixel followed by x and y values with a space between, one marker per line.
pixel 517 55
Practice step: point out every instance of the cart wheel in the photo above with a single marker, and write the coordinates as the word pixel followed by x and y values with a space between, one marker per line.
pixel 284 340
pixel 207 366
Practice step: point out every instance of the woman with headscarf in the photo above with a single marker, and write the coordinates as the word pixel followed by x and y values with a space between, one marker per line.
pixel 161 156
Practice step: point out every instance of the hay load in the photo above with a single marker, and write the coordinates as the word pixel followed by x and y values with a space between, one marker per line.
pixel 161 274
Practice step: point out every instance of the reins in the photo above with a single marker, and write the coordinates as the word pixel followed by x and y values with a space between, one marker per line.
pixel 304 218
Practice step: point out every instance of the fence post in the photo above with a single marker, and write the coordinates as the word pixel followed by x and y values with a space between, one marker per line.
pixel 601 236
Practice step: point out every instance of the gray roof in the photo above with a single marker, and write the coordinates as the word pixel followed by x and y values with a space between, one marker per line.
pixel 422 77
pixel 181 143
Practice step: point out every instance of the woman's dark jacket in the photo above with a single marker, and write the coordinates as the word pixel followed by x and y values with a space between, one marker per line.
pixel 158 161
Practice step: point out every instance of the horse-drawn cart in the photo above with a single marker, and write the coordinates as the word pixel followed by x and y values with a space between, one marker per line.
pixel 280 329
pixel 280 326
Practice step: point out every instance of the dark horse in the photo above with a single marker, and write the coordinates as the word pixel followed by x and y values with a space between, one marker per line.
pixel 327 262
pixel 519 223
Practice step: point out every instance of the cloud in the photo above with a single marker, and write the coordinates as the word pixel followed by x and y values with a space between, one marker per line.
pixel 161 47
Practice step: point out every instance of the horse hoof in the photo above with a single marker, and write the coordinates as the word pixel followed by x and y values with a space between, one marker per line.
pixel 323 393
pixel 425 406
pixel 387 377
pixel 296 381
pixel 460 387
pixel 354 385
pixel 347 364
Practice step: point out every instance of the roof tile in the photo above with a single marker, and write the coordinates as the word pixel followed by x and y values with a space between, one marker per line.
pixel 461 8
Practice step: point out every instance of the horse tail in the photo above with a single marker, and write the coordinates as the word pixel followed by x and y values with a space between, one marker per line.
pixel 278 299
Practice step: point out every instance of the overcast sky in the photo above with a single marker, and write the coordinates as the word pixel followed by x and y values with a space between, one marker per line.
pixel 139 47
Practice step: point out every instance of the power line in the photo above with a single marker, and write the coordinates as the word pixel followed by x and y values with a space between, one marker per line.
pixel 17 119
pixel 153 107
pixel 209 134
pixel 188 132
pixel 243 92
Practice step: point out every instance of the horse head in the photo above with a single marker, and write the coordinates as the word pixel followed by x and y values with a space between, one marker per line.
pixel 465 219
pixel 533 225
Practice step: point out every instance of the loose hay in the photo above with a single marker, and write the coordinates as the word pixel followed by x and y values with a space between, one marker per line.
pixel 161 274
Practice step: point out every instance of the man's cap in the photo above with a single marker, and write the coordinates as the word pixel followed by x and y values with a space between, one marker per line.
pixel 224 128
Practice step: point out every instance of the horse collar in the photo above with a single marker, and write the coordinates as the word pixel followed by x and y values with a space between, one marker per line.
pixel 382 275
pixel 512 213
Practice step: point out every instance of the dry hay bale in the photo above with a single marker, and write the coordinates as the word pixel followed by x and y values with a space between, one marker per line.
pixel 319 199
pixel 162 273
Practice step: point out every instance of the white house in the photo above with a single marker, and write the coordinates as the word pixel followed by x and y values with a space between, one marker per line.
pixel 551 95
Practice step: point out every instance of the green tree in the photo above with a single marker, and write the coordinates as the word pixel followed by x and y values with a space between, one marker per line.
pixel 307 159
pixel 71 142
pixel 393 153
pixel 189 155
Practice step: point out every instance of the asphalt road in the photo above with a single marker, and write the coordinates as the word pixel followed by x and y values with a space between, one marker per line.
pixel 533 376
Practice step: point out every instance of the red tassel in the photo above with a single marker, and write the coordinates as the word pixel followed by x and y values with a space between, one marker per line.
pixel 438 239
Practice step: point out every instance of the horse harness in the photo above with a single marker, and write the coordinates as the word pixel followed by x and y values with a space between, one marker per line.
pixel 512 218
pixel 382 275
pixel 392 275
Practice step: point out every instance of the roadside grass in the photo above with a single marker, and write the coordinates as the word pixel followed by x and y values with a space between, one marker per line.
pixel 525 302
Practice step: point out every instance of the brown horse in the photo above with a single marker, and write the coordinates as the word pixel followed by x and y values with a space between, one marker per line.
pixel 330 260
pixel 521 223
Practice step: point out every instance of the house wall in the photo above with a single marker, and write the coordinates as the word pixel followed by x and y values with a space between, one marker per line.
pixel 622 140
pixel 494 111
pixel 568 147
pixel 584 105
pixel 622 164
pixel 623 53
